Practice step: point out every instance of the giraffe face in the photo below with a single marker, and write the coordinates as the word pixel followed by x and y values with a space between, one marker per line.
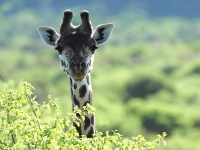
pixel 76 53
pixel 76 44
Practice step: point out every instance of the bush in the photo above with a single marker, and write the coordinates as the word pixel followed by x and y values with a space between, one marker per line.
pixel 158 117
pixel 145 85
pixel 25 124
pixel 196 69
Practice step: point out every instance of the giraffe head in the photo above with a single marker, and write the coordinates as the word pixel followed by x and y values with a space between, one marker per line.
pixel 76 44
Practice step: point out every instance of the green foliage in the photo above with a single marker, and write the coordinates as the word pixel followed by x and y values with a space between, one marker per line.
pixel 156 117
pixel 25 124
pixel 148 83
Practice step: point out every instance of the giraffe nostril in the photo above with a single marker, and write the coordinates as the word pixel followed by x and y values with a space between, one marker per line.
pixel 73 64
pixel 77 63
pixel 82 64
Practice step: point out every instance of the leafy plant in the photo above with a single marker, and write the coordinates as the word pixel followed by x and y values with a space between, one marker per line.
pixel 145 85
pixel 26 124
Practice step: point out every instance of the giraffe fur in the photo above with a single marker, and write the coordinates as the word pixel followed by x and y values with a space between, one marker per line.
pixel 76 46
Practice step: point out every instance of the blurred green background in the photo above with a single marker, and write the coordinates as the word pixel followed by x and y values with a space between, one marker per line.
pixel 146 78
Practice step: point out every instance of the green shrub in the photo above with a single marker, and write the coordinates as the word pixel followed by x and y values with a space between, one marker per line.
pixel 26 124
pixel 195 69
pixel 158 117
pixel 145 85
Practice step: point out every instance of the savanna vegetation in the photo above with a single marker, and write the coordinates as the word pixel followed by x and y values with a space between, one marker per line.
pixel 25 124
pixel 145 78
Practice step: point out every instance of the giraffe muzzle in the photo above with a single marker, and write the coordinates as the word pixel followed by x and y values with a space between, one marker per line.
pixel 78 70
pixel 78 75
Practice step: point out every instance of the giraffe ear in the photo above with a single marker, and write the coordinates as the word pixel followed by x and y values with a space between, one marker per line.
pixel 48 35
pixel 102 33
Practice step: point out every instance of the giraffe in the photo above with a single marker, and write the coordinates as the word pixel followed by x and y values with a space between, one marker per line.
pixel 76 46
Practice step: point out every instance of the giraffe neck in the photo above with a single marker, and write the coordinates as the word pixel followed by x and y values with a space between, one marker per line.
pixel 81 93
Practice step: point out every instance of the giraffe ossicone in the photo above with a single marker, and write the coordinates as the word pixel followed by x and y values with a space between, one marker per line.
pixel 76 46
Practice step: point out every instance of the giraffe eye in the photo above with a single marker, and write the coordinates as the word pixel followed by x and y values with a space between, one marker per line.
pixel 59 49
pixel 93 48
pixel 60 52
